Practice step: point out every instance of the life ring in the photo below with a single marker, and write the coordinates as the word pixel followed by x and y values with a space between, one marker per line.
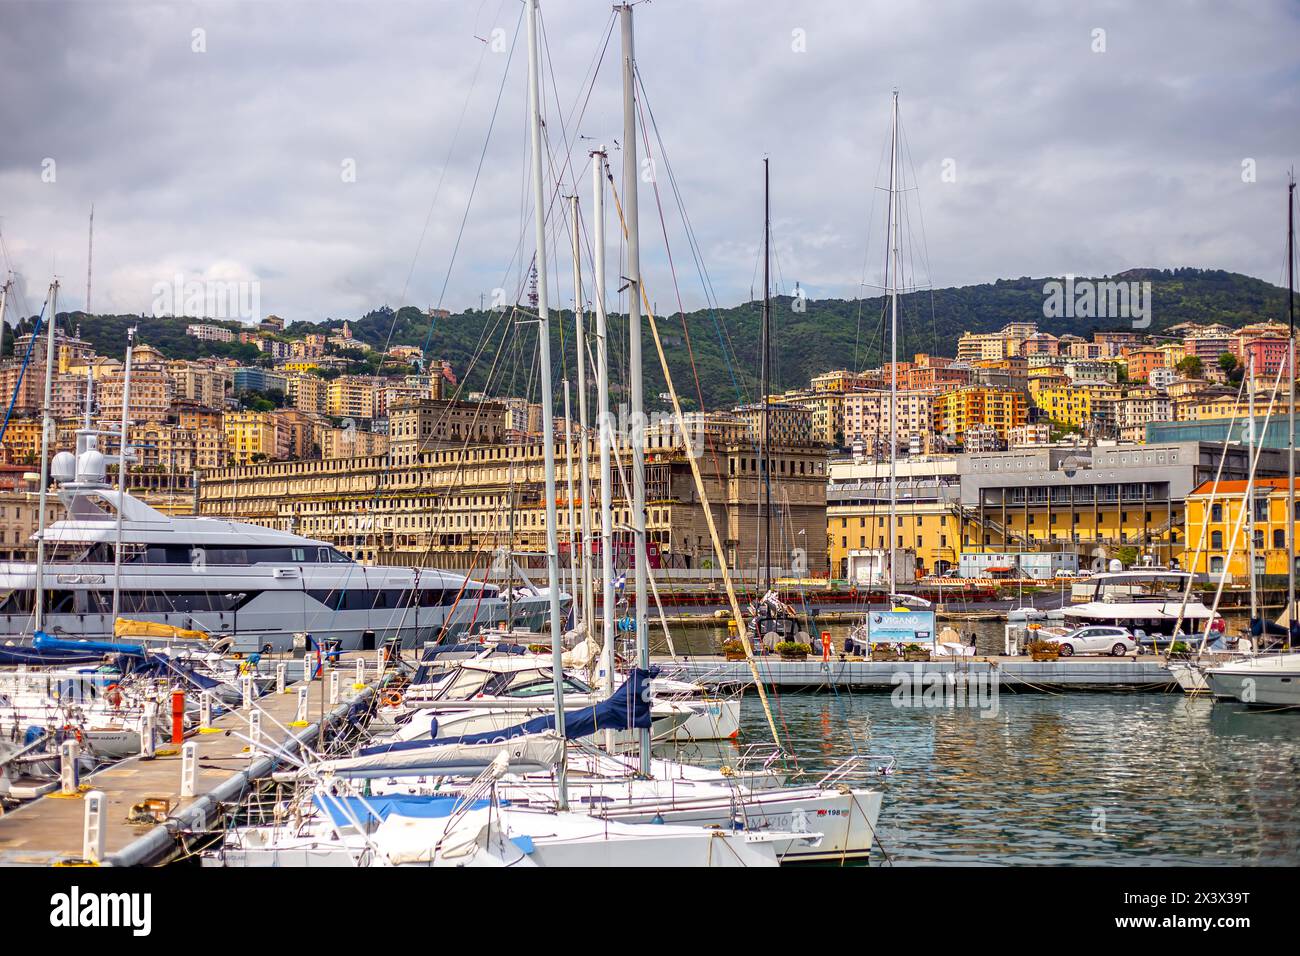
pixel 393 698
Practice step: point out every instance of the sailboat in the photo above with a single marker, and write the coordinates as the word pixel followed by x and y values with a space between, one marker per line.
pixel 629 811
pixel 906 619
pixel 772 621
pixel 1274 680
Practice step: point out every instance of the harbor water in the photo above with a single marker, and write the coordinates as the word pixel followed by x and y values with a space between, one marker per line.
pixel 1082 778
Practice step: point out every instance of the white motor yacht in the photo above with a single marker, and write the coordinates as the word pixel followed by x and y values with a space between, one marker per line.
pixel 259 585
pixel 1151 601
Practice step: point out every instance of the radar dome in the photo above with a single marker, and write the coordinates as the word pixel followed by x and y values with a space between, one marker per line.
pixel 64 466
pixel 90 466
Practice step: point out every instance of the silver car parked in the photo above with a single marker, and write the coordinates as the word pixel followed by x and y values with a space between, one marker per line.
pixel 1096 639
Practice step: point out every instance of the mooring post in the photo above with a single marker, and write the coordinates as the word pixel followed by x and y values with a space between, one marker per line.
pixel 69 774
pixel 189 769
pixel 92 839
pixel 146 732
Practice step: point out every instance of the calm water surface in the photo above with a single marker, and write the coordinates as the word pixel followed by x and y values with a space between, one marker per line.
pixel 1097 779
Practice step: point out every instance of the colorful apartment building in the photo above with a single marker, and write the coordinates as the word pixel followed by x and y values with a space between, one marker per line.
pixel 963 408
pixel 867 421
pixel 1214 517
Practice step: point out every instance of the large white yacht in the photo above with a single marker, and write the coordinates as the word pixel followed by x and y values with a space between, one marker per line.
pixel 1148 599
pixel 259 585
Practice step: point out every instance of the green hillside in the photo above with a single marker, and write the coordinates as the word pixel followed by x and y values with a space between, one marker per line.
pixel 724 345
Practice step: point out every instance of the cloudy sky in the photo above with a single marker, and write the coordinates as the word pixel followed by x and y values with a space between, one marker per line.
pixel 327 151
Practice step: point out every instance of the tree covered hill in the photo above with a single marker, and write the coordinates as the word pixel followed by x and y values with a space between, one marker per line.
pixel 713 354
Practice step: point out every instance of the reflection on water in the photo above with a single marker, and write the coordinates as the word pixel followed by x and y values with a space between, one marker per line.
pixel 1134 779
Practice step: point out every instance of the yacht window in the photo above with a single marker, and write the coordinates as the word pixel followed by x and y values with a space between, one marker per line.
pixel 464 685
pixel 533 685
pixel 432 597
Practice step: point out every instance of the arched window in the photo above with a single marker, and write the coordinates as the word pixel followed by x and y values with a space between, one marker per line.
pixel 1216 540
pixel 1216 512
pixel 1216 565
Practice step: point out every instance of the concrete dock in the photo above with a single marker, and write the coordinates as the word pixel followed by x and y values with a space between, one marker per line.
pixel 50 830
pixel 1014 673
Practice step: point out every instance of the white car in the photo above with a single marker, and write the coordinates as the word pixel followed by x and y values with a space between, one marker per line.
pixel 1096 639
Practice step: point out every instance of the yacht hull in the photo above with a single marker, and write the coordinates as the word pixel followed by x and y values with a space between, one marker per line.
pixel 1257 690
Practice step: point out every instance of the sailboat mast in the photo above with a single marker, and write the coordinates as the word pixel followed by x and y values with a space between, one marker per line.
pixel 1250 487
pixel 606 430
pixel 584 440
pixel 573 519
pixel 631 180
pixel 510 556
pixel 548 413
pixel 4 299
pixel 1290 432
pixel 121 479
pixel 47 435
pixel 892 285
pixel 765 386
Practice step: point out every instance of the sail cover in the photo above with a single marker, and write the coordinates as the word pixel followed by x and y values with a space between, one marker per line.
pixel 44 642
pixel 625 709
pixel 17 654
pixel 531 754
pixel 344 810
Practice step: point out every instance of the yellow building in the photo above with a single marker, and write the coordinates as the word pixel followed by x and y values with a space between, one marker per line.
pixel 1063 404
pixel 309 393
pixel 933 529
pixel 22 441
pixel 1216 512
pixel 999 408
pixel 351 396
pixel 840 380
pixel 298 365
pixel 250 435
pixel 449 507
pixel 827 407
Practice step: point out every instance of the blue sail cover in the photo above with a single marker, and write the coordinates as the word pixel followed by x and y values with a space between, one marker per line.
pixel 43 642
pixel 366 810
pixel 19 654
pixel 625 709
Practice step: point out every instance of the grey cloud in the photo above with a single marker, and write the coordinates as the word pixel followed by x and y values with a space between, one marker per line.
pixel 1067 160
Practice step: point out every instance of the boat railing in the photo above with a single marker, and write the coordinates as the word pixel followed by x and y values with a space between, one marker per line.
pixel 858 769
pixel 758 757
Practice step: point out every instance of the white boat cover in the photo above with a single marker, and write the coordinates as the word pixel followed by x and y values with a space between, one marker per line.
pixel 533 753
